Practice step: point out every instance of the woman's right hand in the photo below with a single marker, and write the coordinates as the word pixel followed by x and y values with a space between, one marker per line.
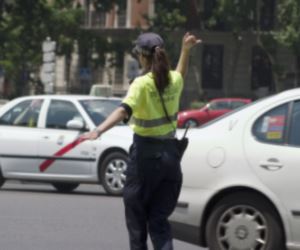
pixel 93 135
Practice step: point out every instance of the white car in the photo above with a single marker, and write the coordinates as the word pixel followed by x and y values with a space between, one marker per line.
pixel 242 179
pixel 39 141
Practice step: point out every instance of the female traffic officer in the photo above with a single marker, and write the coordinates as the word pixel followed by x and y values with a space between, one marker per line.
pixel 154 173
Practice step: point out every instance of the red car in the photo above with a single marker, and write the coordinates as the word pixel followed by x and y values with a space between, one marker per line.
pixel 212 110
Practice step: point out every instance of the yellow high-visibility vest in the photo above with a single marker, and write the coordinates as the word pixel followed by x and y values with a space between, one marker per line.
pixel 148 116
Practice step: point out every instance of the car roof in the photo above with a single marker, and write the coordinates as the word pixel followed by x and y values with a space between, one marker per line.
pixel 289 92
pixel 230 99
pixel 282 95
pixel 70 97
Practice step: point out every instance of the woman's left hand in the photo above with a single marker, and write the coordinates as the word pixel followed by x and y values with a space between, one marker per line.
pixel 189 41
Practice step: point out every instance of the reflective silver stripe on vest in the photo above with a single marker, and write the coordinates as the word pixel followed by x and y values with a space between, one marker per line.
pixel 154 122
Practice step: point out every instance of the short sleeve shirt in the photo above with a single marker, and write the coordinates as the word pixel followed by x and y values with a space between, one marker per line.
pixel 148 116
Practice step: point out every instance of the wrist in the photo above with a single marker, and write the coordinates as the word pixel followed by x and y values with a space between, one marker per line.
pixel 185 50
pixel 98 132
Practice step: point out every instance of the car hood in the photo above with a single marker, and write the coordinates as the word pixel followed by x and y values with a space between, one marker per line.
pixel 190 112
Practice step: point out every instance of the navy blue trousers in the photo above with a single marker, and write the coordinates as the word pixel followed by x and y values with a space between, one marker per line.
pixel 151 191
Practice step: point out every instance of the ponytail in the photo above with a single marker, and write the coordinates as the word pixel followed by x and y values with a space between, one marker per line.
pixel 160 68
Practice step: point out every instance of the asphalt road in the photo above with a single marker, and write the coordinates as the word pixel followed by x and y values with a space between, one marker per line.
pixel 36 217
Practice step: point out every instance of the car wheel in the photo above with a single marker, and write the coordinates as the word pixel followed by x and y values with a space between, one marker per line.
pixel 65 187
pixel 191 123
pixel 112 173
pixel 244 221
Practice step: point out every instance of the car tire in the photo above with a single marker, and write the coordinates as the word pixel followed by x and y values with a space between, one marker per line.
pixel 191 123
pixel 244 221
pixel 112 173
pixel 65 187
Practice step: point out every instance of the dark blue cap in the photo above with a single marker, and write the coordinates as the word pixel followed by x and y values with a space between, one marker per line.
pixel 147 42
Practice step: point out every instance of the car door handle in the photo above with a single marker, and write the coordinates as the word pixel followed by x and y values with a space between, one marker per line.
pixel 272 164
pixel 46 137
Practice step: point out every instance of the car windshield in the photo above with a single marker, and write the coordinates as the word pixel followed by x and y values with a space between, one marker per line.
pixel 99 109
pixel 233 111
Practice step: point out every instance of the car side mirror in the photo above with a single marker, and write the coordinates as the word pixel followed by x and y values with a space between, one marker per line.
pixel 75 124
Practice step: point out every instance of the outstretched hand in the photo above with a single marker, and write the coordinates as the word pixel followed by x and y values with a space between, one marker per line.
pixel 93 135
pixel 189 41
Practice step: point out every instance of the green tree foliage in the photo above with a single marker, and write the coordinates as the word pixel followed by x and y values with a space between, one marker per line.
pixel 288 32
pixel 240 16
pixel 169 16
pixel 24 25
pixel 289 24
pixel 235 16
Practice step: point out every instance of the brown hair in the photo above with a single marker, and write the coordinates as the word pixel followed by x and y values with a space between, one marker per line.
pixel 160 68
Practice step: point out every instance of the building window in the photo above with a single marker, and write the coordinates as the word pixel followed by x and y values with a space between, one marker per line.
pixel 212 66
pixel 98 19
pixel 121 12
pixel 261 75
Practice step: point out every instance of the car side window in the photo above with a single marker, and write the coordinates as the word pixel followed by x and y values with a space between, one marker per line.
pixel 236 104
pixel 271 126
pixel 294 133
pixel 60 113
pixel 219 106
pixel 25 114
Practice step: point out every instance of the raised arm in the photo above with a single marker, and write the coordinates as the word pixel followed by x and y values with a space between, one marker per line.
pixel 188 41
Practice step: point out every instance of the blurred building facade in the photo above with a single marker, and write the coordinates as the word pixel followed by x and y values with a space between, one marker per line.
pixel 119 25
pixel 225 64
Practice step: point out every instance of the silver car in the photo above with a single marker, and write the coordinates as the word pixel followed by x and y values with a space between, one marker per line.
pixel 40 141
pixel 242 178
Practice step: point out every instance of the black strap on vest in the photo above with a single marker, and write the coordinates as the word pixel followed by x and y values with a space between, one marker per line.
pixel 168 117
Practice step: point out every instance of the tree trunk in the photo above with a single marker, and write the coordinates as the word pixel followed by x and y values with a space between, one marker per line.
pixel 278 86
pixel 236 55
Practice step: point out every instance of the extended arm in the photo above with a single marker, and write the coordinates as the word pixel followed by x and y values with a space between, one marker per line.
pixel 188 42
pixel 115 117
